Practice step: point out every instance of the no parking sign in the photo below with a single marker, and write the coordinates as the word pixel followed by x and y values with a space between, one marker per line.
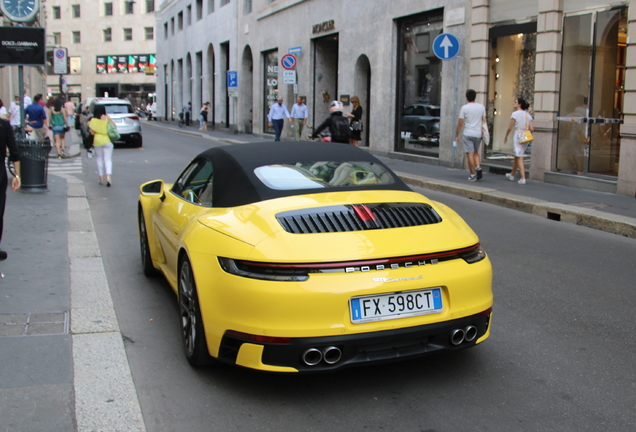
pixel 288 62
pixel 60 64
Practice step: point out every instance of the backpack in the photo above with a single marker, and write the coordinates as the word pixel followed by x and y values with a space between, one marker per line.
pixel 340 130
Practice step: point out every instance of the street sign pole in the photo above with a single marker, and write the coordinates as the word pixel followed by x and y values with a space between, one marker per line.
pixel 446 47
pixel 21 95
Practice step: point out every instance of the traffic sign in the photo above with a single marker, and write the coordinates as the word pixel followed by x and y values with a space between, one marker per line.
pixel 232 79
pixel 289 77
pixel 295 50
pixel 288 62
pixel 446 46
pixel 60 58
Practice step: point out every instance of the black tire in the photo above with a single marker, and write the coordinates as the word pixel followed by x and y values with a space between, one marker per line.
pixel 192 332
pixel 144 246
pixel 421 131
pixel 139 142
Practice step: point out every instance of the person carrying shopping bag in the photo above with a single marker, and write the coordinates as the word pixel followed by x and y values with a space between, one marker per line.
pixel 98 127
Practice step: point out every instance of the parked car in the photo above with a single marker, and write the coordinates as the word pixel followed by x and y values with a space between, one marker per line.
pixel 306 257
pixel 422 121
pixel 125 118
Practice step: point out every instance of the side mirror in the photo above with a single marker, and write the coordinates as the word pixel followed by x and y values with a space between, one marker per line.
pixel 153 189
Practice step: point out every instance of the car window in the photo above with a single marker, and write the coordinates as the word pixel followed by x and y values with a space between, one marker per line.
pixel 420 111
pixel 118 109
pixel 321 175
pixel 433 111
pixel 408 111
pixel 195 183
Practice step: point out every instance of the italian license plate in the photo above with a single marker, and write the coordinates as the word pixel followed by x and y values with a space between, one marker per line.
pixel 118 120
pixel 395 305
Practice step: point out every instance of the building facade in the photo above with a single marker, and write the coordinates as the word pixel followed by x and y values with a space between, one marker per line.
pixel 111 48
pixel 570 59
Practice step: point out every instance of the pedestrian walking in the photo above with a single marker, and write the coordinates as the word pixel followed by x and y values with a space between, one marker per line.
pixel 4 113
pixel 276 117
pixel 299 117
pixel 187 109
pixel 69 107
pixel 471 117
pixel 203 117
pixel 14 111
pixel 7 141
pixel 521 121
pixel 58 126
pixel 98 127
pixel 27 100
pixel 356 121
pixel 36 118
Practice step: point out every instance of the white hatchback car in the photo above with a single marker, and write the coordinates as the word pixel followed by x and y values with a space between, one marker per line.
pixel 124 116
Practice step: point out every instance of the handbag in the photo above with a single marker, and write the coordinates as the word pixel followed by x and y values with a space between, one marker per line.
pixel 112 132
pixel 526 136
pixel 357 126
pixel 67 128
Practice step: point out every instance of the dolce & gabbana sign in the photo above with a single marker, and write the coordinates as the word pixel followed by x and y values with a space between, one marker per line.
pixel 324 27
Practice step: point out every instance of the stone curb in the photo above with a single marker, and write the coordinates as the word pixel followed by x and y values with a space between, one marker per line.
pixel 589 218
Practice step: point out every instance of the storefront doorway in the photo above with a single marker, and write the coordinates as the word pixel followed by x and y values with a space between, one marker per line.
pixel 592 86
pixel 325 76
pixel 420 84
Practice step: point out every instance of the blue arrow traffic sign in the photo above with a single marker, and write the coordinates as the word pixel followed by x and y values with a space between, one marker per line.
pixel 446 46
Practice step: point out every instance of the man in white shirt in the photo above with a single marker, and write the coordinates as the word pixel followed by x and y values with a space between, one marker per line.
pixel 276 117
pixel 299 117
pixel 27 99
pixel 471 117
pixel 14 111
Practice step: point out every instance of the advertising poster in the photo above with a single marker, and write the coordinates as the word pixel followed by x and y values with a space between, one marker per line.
pixel 24 46
pixel 111 64
pixel 101 65
pixel 122 64
pixel 133 61
pixel 143 63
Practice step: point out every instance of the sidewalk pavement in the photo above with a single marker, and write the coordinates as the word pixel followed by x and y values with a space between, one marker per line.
pixel 63 365
pixel 603 211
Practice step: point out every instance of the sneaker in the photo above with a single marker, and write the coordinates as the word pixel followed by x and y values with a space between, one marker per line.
pixel 522 181
pixel 472 178
pixel 479 173
pixel 510 177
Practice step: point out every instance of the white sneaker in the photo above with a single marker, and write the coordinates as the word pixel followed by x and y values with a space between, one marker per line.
pixel 522 181
pixel 510 177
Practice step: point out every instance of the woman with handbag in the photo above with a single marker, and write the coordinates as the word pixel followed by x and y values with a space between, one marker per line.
pixel 521 121
pixel 59 127
pixel 98 127
pixel 356 121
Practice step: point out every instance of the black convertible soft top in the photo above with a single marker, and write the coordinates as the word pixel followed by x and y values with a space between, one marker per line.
pixel 235 182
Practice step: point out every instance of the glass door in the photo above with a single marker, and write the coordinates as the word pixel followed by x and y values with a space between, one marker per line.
pixel 592 83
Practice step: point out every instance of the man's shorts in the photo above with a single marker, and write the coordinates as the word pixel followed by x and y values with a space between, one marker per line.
pixel 471 144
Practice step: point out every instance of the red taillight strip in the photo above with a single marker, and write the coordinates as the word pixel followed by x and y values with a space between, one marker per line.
pixel 257 338
pixel 384 261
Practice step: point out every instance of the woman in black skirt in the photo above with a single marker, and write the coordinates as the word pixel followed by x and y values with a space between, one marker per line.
pixel 355 116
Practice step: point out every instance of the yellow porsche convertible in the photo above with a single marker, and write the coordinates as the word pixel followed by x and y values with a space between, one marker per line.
pixel 306 257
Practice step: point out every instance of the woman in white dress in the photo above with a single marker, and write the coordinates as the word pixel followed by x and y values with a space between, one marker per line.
pixel 521 121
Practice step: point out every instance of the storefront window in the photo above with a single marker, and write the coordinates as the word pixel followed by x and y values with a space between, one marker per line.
pixel 512 77
pixel 419 84
pixel 270 75
pixel 591 104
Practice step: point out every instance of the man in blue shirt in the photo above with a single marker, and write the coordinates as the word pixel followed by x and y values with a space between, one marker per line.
pixel 36 118
pixel 299 117
pixel 276 117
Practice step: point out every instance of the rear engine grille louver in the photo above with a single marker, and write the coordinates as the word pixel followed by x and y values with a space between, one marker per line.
pixel 357 217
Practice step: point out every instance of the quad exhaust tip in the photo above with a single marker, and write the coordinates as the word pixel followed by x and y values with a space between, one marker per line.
pixel 313 356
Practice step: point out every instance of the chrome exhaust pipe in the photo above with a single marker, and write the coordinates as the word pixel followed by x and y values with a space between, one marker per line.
pixel 457 336
pixel 312 356
pixel 470 333
pixel 331 355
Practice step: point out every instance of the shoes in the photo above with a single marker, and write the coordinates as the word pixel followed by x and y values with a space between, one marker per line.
pixel 100 181
pixel 59 156
pixel 510 177
pixel 479 173
pixel 108 181
pixel 522 181
pixel 90 154
pixel 3 255
pixel 472 178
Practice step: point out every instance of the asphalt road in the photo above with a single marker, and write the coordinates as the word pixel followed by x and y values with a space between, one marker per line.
pixel 560 356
